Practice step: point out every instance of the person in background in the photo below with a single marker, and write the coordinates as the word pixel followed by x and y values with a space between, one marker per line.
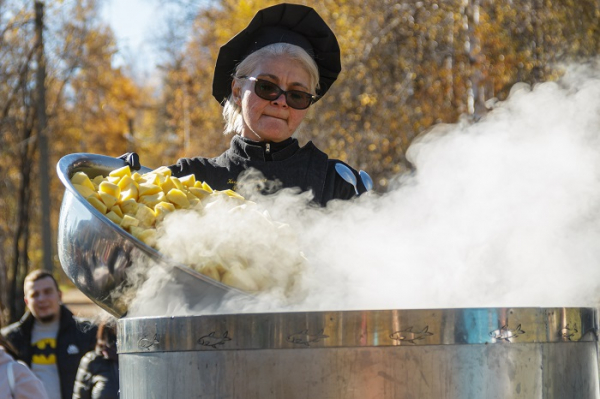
pixel 266 78
pixel 49 338
pixel 98 374
pixel 16 379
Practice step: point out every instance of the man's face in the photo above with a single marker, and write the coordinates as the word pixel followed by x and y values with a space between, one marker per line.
pixel 43 299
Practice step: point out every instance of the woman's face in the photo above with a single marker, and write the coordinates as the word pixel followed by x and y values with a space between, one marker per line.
pixel 271 120
pixel 107 347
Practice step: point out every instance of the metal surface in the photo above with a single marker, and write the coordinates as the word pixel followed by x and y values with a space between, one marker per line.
pixel 366 180
pixel 96 254
pixel 347 175
pixel 531 353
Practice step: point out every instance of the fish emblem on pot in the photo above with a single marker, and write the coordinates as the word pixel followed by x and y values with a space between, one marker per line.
pixel 410 336
pixel 505 334
pixel 304 338
pixel 569 332
pixel 213 340
pixel 145 343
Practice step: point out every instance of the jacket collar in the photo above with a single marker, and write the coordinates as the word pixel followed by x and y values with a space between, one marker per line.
pixel 263 151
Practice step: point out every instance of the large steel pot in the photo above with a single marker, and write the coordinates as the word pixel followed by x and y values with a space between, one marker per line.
pixel 97 255
pixel 529 353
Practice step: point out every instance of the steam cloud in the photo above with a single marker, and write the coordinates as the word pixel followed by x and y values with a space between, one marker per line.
pixel 501 213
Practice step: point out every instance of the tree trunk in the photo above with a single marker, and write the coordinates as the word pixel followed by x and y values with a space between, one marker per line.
pixel 42 138
pixel 21 241
pixel 449 61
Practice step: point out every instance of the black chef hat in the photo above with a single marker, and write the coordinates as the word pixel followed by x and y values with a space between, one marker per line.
pixel 283 23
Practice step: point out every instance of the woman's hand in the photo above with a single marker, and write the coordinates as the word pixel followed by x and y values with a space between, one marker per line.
pixel 132 159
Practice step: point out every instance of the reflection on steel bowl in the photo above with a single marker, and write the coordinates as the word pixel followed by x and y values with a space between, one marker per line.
pixel 97 255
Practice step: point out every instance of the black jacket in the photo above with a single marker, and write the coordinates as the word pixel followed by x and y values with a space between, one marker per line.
pixel 97 378
pixel 75 338
pixel 306 167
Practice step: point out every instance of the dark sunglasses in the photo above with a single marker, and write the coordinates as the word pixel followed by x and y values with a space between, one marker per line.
pixel 270 91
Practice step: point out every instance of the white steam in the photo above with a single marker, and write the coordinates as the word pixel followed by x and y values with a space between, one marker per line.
pixel 504 212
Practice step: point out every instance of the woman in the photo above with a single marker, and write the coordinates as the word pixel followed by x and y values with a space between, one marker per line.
pixel 98 373
pixel 16 379
pixel 267 77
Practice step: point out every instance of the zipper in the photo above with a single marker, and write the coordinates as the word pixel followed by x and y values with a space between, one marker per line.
pixel 268 148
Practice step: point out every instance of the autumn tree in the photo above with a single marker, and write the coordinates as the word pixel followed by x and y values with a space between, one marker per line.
pixel 17 143
pixel 406 66
pixel 90 105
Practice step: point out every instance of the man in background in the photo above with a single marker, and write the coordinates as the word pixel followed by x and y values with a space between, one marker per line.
pixel 49 338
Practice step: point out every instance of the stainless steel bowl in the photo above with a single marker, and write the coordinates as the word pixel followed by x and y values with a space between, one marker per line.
pixel 96 254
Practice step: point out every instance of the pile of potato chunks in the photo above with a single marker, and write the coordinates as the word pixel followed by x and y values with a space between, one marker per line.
pixel 138 202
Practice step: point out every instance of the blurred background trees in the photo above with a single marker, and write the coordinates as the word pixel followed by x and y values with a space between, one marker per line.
pixel 407 65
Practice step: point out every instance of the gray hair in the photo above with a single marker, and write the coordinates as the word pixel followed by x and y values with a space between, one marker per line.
pixel 232 112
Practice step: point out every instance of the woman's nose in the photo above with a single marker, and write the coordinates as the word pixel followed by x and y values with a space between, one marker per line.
pixel 281 100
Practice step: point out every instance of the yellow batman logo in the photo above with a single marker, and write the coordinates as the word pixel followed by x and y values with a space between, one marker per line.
pixel 44 351
pixel 43 359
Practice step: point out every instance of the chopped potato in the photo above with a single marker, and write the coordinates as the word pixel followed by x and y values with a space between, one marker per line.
pixel 110 188
pixel 85 191
pixel 152 200
pixel 83 180
pixel 200 193
pixel 121 172
pixel 129 221
pixel 178 197
pixel 136 177
pixel 117 209
pixel 188 180
pixel 147 236
pixel 211 270
pixel 128 207
pixel 149 189
pixel 114 217
pixel 238 277
pixel 108 200
pixel 145 215
pixel 96 203
pixel 97 180
pixel 163 170
pixel 130 193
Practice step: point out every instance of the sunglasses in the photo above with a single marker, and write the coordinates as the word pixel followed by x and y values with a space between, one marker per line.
pixel 270 91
